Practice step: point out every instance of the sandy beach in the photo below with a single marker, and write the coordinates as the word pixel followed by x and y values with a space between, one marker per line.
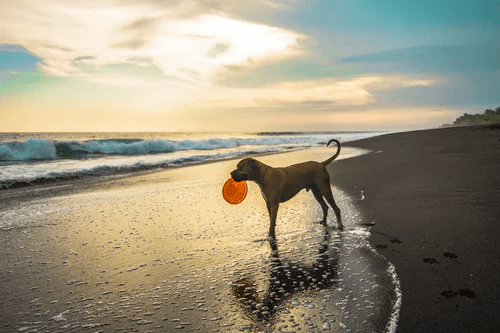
pixel 163 252
pixel 433 198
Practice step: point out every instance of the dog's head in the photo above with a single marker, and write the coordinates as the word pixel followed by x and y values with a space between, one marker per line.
pixel 247 169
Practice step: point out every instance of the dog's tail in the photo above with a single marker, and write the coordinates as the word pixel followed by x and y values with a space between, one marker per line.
pixel 328 161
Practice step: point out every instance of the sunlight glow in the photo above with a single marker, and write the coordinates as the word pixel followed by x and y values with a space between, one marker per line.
pixel 263 65
pixel 82 40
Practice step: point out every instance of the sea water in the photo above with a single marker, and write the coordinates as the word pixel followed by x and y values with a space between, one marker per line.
pixel 326 279
pixel 33 158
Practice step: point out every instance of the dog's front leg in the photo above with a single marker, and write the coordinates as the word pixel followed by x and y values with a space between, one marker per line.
pixel 273 211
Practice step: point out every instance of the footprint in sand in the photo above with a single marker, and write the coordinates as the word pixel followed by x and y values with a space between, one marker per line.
pixel 446 255
pixel 464 292
pixel 467 293
pixel 396 240
pixel 430 261
pixel 448 293
pixel 450 255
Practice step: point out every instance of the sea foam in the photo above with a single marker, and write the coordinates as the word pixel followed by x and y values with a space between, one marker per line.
pixel 46 158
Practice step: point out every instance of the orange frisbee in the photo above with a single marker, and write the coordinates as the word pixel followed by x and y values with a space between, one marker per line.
pixel 234 192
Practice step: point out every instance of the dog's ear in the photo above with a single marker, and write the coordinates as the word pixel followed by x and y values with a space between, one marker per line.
pixel 253 164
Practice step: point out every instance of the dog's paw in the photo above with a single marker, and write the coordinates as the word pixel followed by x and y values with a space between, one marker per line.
pixel 341 227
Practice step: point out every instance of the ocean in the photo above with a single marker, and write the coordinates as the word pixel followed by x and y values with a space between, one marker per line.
pixel 166 251
pixel 34 158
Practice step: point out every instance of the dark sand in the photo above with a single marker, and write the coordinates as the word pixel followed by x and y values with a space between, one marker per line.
pixel 163 252
pixel 434 197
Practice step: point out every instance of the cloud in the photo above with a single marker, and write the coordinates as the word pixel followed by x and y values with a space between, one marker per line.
pixel 138 33
pixel 316 94
pixel 333 118
pixel 217 49
pixel 187 39
pixel 126 82
pixel 190 8
pixel 438 58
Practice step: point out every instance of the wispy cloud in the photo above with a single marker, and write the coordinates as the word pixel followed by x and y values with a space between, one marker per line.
pixel 273 64
pixel 436 58
pixel 317 93
pixel 181 39
pixel 126 82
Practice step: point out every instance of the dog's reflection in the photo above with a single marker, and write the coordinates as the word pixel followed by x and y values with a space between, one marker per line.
pixel 286 279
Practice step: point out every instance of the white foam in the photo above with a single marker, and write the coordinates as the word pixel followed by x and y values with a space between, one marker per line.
pixel 31 149
pixel 359 238
pixel 41 159
pixel 392 324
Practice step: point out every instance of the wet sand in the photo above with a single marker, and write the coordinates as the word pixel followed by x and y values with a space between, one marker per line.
pixel 433 197
pixel 163 252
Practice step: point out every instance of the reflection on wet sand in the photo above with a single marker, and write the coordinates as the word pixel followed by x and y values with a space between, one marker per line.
pixel 148 256
pixel 286 279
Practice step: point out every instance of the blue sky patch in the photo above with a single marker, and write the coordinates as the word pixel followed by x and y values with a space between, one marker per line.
pixel 438 59
pixel 15 58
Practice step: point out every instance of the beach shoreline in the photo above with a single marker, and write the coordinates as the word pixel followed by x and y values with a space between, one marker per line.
pixel 163 251
pixel 432 198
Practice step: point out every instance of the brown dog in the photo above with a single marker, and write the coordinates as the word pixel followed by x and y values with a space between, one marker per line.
pixel 281 184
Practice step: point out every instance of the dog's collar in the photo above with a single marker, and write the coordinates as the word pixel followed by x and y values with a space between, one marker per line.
pixel 263 174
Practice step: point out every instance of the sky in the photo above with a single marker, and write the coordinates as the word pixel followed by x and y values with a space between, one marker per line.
pixel 245 66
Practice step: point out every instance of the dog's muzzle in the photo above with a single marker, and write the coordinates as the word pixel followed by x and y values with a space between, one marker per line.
pixel 238 176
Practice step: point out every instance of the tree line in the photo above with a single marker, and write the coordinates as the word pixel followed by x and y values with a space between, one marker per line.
pixel 488 117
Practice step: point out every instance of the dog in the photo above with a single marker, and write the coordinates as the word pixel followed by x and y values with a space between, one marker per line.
pixel 281 184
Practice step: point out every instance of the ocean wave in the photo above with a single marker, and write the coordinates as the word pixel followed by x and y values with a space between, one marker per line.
pixel 41 149
pixel 40 160
pixel 26 174
pixel 31 149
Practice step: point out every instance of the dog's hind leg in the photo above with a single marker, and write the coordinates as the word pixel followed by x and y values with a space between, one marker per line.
pixel 326 191
pixel 319 198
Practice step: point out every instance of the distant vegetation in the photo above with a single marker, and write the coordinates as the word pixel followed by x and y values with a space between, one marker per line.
pixel 488 117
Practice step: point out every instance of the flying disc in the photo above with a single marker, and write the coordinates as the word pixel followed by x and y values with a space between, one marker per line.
pixel 234 192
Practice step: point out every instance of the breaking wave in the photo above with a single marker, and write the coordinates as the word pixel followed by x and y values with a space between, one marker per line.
pixel 40 149
pixel 45 159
